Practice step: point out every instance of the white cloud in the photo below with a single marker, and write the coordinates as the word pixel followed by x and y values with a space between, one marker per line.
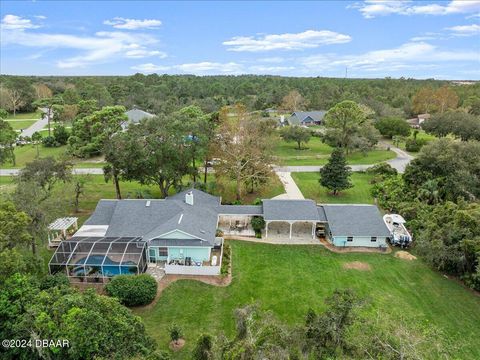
pixel 199 68
pixel 102 47
pixel 211 67
pixel 133 24
pixel 275 59
pixel 142 53
pixel 298 41
pixel 413 55
pixel 149 68
pixel 259 69
pixel 14 22
pixel 465 30
pixel 374 8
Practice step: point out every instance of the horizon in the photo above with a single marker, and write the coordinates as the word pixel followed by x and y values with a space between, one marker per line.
pixel 365 40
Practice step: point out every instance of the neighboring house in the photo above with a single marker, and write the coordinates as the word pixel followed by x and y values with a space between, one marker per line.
pixel 306 118
pixel 417 122
pixel 183 233
pixel 135 116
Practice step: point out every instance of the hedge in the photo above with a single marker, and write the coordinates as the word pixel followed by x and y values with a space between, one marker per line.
pixel 133 290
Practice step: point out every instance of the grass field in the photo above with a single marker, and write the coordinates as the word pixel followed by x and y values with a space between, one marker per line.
pixel 20 124
pixel 311 189
pixel 422 135
pixel 317 153
pixel 29 116
pixel 291 279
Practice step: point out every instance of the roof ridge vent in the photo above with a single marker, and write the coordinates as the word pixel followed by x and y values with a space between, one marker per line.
pixel 181 217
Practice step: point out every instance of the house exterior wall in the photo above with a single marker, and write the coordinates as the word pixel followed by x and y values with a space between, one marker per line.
pixel 364 241
pixel 176 235
pixel 198 254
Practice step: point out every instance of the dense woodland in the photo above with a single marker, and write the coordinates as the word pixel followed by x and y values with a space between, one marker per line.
pixel 167 93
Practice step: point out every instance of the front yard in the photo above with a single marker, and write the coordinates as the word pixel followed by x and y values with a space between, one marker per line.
pixel 291 279
pixel 317 153
pixel 358 194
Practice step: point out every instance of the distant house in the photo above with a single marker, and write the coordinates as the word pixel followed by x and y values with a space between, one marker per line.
pixel 417 122
pixel 306 118
pixel 135 116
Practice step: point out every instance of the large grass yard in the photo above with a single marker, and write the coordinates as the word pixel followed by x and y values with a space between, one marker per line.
pixel 311 189
pixel 291 279
pixel 317 153
pixel 25 116
pixel 28 153
pixel 20 124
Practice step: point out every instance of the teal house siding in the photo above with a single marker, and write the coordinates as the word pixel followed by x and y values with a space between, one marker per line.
pixel 365 241
pixel 198 254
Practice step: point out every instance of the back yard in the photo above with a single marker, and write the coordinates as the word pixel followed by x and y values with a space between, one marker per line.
pixel 291 279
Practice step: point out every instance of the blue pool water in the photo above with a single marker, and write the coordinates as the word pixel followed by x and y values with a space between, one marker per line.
pixel 109 268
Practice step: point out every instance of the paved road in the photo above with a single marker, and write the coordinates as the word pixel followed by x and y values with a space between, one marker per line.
pixel 76 171
pixel 291 189
pixel 399 163
pixel 37 126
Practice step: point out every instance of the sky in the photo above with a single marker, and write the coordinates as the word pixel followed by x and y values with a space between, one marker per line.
pixel 369 39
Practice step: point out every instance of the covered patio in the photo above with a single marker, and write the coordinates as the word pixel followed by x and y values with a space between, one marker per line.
pixel 292 221
pixel 61 229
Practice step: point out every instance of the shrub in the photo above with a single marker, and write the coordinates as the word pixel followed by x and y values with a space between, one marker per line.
pixel 203 348
pixel 414 145
pixel 54 280
pixel 258 224
pixel 175 332
pixel 49 141
pixel 227 255
pixel 133 290
pixel 61 135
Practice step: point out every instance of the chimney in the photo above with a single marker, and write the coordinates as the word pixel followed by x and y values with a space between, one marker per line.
pixel 189 198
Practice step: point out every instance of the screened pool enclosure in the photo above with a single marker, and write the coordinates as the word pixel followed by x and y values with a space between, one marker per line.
pixel 96 259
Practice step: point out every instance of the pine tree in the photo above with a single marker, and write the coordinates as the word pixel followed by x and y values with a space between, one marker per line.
pixel 335 175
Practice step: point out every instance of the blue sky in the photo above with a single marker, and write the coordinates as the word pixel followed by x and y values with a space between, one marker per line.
pixel 439 39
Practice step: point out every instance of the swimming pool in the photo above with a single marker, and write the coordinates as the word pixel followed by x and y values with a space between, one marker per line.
pixel 109 267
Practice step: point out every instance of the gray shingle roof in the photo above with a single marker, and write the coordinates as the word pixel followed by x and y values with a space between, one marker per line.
pixel 290 210
pixel 355 220
pixel 299 116
pixel 321 214
pixel 103 213
pixel 240 209
pixel 135 116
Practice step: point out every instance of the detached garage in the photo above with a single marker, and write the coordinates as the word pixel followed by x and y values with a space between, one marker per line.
pixel 355 225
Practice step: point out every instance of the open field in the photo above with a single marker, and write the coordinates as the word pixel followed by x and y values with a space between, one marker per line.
pixel 422 135
pixel 291 279
pixel 311 189
pixel 317 153
pixel 25 116
pixel 20 124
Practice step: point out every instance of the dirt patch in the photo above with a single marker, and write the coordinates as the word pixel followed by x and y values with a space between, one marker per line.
pixel 405 255
pixel 357 265
pixel 177 345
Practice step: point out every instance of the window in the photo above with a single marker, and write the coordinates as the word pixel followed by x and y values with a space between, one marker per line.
pixel 163 251
pixel 373 239
pixel 350 238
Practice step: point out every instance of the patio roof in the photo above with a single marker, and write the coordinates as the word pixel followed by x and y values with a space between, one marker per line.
pixel 290 210
pixel 62 223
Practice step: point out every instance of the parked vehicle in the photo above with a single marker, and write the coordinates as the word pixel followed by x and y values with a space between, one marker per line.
pixel 399 235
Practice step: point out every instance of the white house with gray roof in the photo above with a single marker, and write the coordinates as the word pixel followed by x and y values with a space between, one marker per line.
pixel 135 116
pixel 181 232
pixel 306 118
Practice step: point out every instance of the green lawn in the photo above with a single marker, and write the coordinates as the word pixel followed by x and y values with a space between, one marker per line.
pixel 29 116
pixel 422 135
pixel 20 124
pixel 317 153
pixel 311 189
pixel 28 153
pixel 291 279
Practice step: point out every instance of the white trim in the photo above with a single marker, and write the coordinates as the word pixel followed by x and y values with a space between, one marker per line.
pixel 183 232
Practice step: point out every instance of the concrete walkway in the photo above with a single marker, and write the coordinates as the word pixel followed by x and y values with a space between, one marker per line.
pixel 401 161
pixel 291 188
